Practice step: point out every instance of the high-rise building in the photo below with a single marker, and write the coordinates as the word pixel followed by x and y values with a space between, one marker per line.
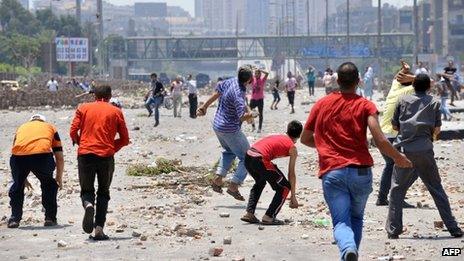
pixel 222 17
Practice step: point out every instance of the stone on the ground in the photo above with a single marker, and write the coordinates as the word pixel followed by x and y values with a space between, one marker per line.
pixel 62 243
pixel 224 215
pixel 227 240
pixel 216 251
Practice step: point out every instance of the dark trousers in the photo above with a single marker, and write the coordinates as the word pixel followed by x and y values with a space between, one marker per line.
pixel 425 167
pixel 89 167
pixel 42 165
pixel 276 96
pixel 291 97
pixel 311 88
pixel 260 104
pixel 193 102
pixel 261 175
pixel 386 179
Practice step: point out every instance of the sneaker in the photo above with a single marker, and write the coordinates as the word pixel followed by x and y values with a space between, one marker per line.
pixel 87 222
pixel 381 202
pixel 99 235
pixel 393 236
pixel 351 256
pixel 50 223
pixel 259 131
pixel 13 224
pixel 149 114
pixel 156 124
pixel 457 232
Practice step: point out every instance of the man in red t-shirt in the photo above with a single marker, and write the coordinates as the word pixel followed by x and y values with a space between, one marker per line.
pixel 337 127
pixel 258 163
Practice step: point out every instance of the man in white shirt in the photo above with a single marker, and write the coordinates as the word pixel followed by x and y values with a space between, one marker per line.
pixel 176 93
pixel 192 95
pixel 52 85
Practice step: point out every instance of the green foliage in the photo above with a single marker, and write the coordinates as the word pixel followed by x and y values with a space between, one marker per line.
pixel 15 19
pixel 163 166
pixel 8 68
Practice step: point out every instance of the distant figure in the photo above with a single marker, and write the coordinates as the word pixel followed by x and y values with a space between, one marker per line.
pixel 449 76
pixel 368 83
pixel 311 78
pixel 176 93
pixel 421 69
pixel 444 95
pixel 257 96
pixel 192 96
pixel 52 85
pixel 155 97
pixel 290 86
pixel 329 81
pixel 275 93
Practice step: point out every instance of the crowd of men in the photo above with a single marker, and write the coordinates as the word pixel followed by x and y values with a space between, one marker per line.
pixel 345 163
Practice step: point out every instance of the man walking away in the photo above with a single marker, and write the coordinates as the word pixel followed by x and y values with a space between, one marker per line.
pixel 418 119
pixel 257 96
pixel 35 144
pixel 176 93
pixel 337 127
pixel 449 74
pixel 94 129
pixel 155 97
pixel 311 78
pixel 192 96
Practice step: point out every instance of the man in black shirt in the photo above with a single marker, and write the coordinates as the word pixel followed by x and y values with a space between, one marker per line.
pixel 448 75
pixel 155 97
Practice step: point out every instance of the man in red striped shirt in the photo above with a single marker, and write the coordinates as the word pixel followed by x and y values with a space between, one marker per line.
pixel 258 162
pixel 94 129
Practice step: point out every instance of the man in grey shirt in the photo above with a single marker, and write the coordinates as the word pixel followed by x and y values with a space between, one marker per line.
pixel 417 118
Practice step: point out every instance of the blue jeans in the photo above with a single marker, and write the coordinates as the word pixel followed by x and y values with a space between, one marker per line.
pixel 444 108
pixel 235 145
pixel 346 191
pixel 156 101
pixel 385 180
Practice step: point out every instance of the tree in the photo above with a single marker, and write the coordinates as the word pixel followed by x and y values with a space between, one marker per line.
pixel 23 49
pixel 15 19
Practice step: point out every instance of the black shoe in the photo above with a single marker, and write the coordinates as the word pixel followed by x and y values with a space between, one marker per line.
pixel 149 114
pixel 13 224
pixel 381 202
pixel 351 256
pixel 50 223
pixel 156 124
pixel 457 232
pixel 407 205
pixel 393 236
pixel 87 222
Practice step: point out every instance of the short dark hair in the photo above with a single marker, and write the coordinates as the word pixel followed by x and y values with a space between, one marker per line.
pixel 294 129
pixel 153 75
pixel 421 82
pixel 245 74
pixel 348 75
pixel 103 92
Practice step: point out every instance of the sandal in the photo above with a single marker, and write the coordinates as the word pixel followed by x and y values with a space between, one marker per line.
pixel 274 222
pixel 236 195
pixel 216 187
pixel 251 220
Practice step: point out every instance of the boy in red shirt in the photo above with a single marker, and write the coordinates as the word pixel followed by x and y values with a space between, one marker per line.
pixel 258 163
pixel 337 127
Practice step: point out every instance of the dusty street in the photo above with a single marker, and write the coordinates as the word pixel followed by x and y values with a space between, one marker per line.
pixel 167 217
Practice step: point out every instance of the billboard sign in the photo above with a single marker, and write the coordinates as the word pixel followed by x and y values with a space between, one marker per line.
pixel 72 49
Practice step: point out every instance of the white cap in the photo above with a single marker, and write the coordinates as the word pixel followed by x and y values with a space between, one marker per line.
pixel 39 117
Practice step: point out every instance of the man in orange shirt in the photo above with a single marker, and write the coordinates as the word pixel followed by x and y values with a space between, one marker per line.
pixel 34 145
pixel 94 129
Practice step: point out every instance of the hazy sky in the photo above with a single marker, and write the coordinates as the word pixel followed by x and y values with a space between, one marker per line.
pixel 189 5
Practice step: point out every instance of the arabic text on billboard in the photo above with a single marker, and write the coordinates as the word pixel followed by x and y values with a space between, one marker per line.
pixel 72 49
